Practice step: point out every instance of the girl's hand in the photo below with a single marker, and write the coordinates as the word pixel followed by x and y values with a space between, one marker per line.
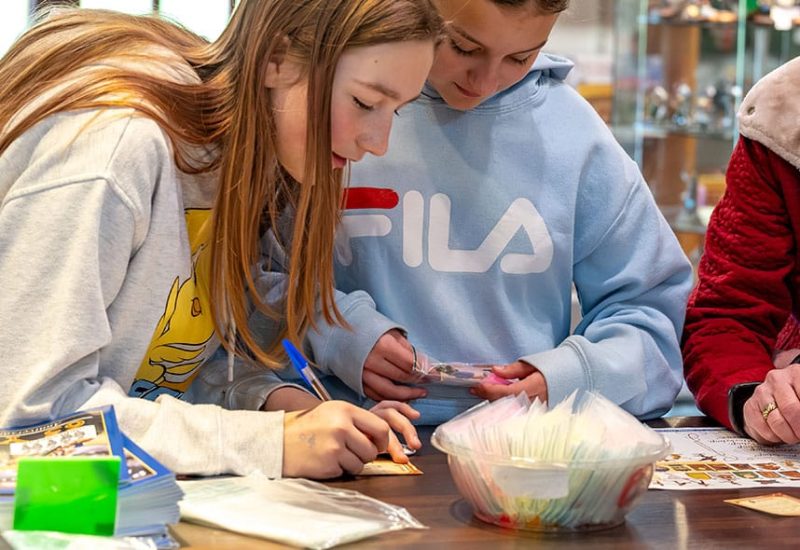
pixel 531 382
pixel 390 361
pixel 289 398
pixel 781 425
pixel 332 438
pixel 398 416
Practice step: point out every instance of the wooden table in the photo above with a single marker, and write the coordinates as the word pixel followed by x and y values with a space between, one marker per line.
pixel 661 519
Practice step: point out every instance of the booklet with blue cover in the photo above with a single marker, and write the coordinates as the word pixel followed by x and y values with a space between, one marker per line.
pixel 148 493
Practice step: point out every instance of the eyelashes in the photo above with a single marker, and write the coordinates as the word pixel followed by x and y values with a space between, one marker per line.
pixel 369 108
pixel 459 50
pixel 468 53
pixel 363 106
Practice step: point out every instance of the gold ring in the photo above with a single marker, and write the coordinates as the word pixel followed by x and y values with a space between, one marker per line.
pixel 771 406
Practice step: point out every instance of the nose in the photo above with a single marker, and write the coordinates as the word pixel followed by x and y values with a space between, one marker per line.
pixel 375 139
pixel 484 76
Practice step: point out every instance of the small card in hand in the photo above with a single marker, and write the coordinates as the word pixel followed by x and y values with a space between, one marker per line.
pixel 777 504
pixel 457 374
pixel 388 467
pixel 427 370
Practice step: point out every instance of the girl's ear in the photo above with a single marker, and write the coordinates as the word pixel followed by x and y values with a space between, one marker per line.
pixel 281 71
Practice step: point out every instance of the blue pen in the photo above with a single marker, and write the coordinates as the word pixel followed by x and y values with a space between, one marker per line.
pixel 301 365
pixel 305 371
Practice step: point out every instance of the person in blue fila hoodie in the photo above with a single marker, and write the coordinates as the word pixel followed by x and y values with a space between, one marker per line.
pixel 501 190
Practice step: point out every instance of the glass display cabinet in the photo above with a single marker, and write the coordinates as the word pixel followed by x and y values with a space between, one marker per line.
pixel 681 70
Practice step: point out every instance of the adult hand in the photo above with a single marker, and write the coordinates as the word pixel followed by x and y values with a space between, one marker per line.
pixel 531 382
pixel 783 358
pixel 390 361
pixel 398 416
pixel 782 425
pixel 332 438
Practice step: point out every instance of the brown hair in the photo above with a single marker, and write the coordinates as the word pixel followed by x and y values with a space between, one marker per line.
pixel 228 109
pixel 543 6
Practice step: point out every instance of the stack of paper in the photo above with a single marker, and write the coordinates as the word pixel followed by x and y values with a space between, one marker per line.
pixel 148 492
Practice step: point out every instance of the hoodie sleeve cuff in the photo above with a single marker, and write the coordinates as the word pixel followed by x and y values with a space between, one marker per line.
pixel 252 441
pixel 563 372
pixel 250 389
pixel 342 351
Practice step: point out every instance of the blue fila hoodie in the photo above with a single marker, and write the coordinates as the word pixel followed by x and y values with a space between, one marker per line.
pixel 470 233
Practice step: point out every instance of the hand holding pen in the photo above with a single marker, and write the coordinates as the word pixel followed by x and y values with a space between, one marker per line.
pixel 396 414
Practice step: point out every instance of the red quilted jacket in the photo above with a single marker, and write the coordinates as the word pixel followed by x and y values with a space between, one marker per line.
pixel 748 279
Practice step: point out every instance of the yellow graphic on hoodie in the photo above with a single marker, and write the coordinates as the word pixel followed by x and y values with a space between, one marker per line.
pixel 181 340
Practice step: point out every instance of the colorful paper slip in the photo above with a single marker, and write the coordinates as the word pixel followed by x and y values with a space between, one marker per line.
pixel 387 467
pixel 67 494
pixel 777 504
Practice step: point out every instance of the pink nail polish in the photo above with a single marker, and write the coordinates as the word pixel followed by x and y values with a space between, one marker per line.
pixel 492 378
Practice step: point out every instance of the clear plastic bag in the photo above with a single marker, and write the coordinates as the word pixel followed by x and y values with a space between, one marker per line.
pixel 292 511
pixel 452 373
pixel 49 540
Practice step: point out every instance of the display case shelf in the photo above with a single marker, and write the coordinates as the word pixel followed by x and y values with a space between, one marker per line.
pixel 678 85
pixel 662 131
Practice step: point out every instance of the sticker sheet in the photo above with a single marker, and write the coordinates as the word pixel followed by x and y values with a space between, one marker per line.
pixel 715 458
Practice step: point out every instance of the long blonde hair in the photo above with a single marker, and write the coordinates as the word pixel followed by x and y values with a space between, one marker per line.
pixel 228 109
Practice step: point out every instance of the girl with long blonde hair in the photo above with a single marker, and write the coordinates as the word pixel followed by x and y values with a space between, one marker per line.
pixel 145 175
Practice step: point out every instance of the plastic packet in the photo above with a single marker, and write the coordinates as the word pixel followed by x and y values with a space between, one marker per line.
pixel 453 373
pixel 469 429
pixel 292 511
pixel 51 540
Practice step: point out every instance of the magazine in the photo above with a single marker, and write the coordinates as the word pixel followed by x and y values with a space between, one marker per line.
pixel 148 492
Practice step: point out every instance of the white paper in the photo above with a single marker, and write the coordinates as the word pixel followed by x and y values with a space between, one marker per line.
pixel 715 458
pixel 552 482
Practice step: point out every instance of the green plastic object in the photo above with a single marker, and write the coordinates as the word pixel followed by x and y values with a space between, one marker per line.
pixel 67 494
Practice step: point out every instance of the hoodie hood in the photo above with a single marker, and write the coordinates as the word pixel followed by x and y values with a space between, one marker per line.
pixel 546 67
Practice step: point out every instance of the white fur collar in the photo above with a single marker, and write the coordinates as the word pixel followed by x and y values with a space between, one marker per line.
pixel 770 114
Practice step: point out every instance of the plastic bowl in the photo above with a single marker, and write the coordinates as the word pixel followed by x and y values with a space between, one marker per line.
pixel 521 493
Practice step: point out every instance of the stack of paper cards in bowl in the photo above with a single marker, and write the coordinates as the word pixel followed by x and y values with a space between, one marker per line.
pixel 579 466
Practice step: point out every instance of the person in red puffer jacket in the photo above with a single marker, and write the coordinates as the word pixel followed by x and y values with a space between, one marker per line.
pixel 741 322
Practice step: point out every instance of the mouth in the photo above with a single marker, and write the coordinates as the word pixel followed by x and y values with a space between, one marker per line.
pixel 338 161
pixel 468 93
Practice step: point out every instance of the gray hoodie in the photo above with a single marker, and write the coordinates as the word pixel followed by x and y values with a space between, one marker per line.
pixel 100 270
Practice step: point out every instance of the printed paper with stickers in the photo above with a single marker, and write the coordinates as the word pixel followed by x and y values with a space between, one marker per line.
pixel 715 458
